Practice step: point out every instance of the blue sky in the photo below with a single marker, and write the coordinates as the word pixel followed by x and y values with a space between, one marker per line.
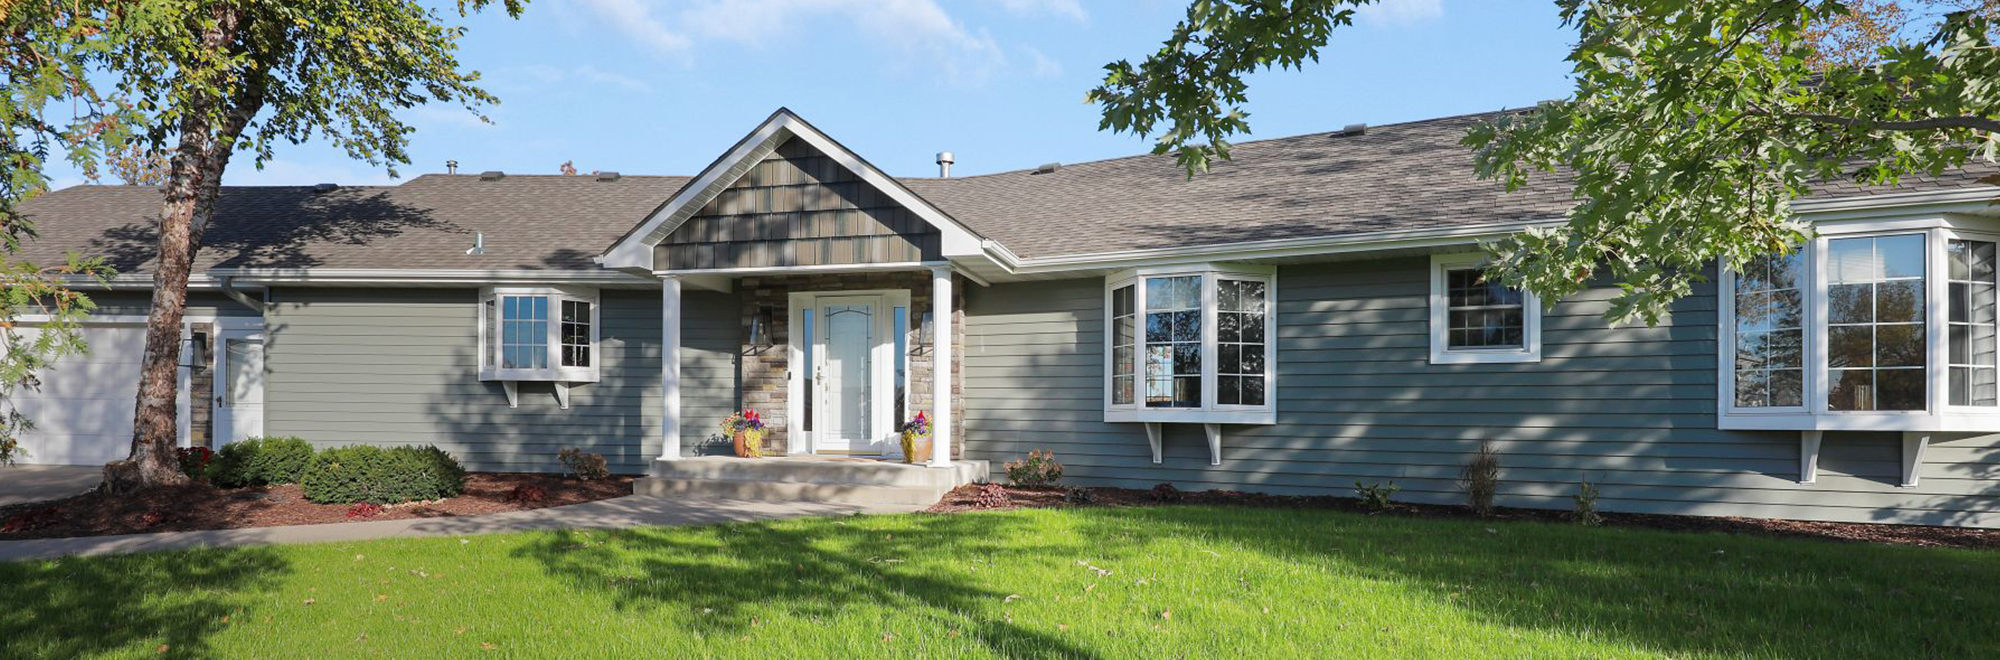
pixel 656 87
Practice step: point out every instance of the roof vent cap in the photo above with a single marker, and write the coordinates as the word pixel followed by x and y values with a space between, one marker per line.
pixel 1048 168
pixel 944 161
pixel 326 187
pixel 1352 130
pixel 478 244
pixel 606 176
pixel 492 175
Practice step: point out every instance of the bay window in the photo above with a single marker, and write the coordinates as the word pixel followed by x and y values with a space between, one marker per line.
pixel 1864 328
pixel 538 334
pixel 1190 344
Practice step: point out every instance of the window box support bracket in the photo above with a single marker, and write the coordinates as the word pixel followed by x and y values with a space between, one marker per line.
pixel 1809 456
pixel 1914 444
pixel 562 394
pixel 1214 443
pixel 1153 438
pixel 513 390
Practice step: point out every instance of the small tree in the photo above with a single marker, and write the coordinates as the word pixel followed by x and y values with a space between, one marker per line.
pixel 1481 479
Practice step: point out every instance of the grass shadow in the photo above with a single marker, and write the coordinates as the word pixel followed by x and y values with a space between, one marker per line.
pixel 171 604
pixel 721 576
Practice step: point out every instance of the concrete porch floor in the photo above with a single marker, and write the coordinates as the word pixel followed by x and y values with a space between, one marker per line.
pixel 836 479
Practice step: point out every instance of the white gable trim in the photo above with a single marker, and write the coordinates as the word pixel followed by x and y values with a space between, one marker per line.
pixel 635 250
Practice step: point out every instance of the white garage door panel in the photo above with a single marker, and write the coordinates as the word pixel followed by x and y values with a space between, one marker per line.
pixel 83 411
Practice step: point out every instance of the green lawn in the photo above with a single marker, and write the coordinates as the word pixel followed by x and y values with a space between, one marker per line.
pixel 1094 583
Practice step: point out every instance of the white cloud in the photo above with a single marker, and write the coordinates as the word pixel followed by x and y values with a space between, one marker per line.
pixel 1400 12
pixel 1070 9
pixel 920 32
pixel 1040 64
pixel 538 76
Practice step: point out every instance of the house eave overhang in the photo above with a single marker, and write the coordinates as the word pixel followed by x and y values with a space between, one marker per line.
pixel 1976 201
pixel 633 252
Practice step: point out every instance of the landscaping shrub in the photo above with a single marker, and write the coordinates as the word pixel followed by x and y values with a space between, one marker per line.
pixel 1585 512
pixel 1038 470
pixel 194 461
pixel 1481 479
pixel 583 465
pixel 1166 493
pixel 260 462
pixel 1076 495
pixel 528 494
pixel 1375 497
pixel 363 473
pixel 992 496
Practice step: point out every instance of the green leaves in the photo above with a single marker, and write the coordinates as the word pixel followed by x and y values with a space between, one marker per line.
pixel 1693 126
pixel 1696 124
pixel 1194 83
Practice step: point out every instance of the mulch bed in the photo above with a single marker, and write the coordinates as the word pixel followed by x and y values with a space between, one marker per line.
pixel 969 498
pixel 197 507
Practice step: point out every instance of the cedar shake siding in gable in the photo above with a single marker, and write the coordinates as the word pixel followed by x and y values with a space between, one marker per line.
pixel 797 208
pixel 390 367
pixel 1630 408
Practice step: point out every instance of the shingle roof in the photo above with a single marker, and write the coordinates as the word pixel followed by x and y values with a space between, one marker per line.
pixel 1412 175
pixel 530 222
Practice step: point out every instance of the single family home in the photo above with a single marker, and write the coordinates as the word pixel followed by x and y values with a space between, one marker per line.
pixel 1308 315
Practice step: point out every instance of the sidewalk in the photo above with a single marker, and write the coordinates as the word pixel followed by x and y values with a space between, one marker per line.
pixel 631 511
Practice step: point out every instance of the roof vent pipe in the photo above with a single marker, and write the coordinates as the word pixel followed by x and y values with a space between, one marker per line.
pixel 451 167
pixel 944 161
pixel 478 244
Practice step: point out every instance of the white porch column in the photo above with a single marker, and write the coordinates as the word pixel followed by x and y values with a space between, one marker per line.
pixel 670 367
pixel 941 366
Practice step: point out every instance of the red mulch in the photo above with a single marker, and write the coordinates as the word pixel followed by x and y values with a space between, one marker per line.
pixel 966 498
pixel 196 507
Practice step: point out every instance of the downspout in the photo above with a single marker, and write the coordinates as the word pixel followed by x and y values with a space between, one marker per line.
pixel 229 289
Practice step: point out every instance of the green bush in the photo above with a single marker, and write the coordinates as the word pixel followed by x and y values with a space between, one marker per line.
pixel 376 475
pixel 260 462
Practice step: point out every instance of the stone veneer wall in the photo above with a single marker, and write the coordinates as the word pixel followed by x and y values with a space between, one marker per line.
pixel 764 368
pixel 201 388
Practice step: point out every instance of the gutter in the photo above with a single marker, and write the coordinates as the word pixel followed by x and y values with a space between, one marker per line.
pixel 229 289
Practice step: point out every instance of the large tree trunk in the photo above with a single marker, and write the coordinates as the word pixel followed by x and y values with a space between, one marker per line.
pixel 194 180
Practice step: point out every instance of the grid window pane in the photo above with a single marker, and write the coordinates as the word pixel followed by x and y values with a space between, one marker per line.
pixel 1876 336
pixel 524 332
pixel 1173 342
pixel 1124 334
pixel 575 333
pixel 1481 314
pixel 1770 340
pixel 1971 329
pixel 1240 323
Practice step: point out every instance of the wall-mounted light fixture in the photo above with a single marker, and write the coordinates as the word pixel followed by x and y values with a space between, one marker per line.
pixel 760 327
pixel 924 331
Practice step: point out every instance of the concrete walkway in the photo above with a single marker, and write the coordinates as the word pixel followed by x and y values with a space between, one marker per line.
pixel 632 511
pixel 34 483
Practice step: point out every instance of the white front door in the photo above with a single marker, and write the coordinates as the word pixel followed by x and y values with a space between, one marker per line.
pixel 239 386
pixel 845 350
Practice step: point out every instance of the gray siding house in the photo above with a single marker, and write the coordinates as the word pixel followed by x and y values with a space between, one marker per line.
pixel 1307 316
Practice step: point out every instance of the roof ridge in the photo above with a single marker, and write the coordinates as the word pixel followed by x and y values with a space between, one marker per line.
pixel 1232 145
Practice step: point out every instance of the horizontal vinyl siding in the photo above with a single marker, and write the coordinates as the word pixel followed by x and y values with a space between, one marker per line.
pixel 140 303
pixel 388 367
pixel 1630 408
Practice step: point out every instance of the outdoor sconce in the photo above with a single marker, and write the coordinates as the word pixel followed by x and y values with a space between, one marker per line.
pixel 924 331
pixel 760 327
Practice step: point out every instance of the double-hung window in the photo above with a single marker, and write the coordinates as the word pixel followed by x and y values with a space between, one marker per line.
pixel 1191 344
pixel 538 334
pixel 1864 328
pixel 1475 320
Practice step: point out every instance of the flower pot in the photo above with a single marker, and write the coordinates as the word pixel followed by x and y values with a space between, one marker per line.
pixel 916 447
pixel 748 444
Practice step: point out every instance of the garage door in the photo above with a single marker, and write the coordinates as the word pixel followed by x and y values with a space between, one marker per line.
pixel 83 411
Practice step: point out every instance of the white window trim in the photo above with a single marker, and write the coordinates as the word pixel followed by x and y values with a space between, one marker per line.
pixel 488 360
pixel 1440 320
pixel 1815 415
pixel 1209 412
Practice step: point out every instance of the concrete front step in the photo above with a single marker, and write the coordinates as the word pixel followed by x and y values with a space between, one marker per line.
pixel 807 479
